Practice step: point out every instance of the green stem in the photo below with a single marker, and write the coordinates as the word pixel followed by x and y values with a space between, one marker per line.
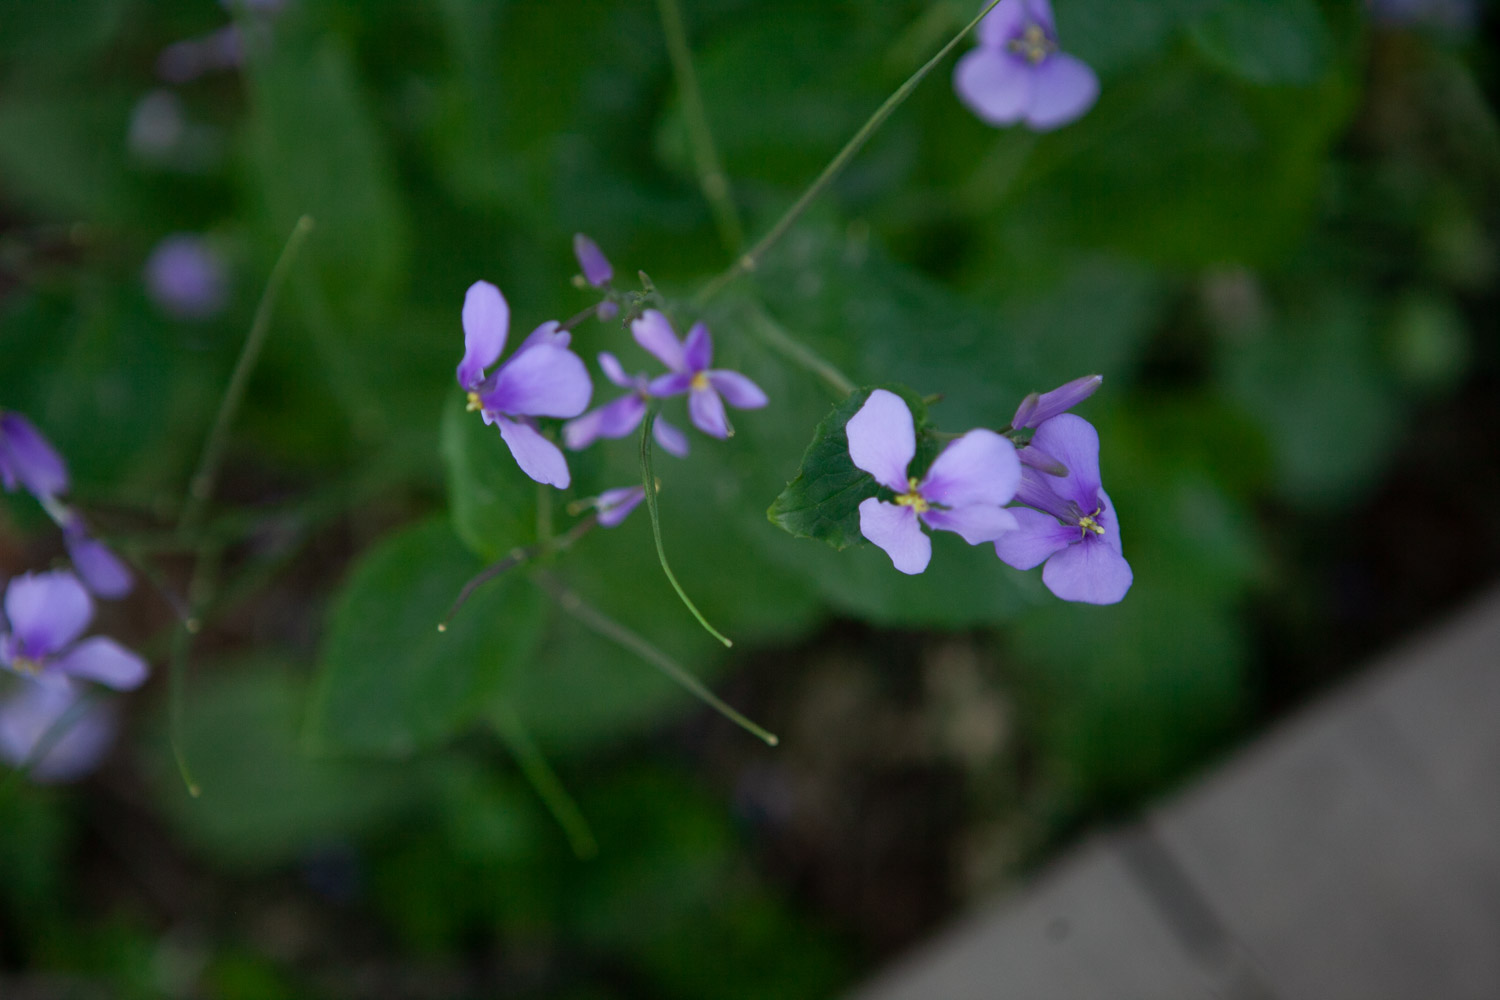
pixel 549 787
pixel 201 485
pixel 774 334
pixel 514 558
pixel 612 630
pixel 648 480
pixel 711 176
pixel 751 258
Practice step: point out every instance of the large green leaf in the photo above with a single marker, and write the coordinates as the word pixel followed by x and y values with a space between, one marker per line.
pixel 492 500
pixel 1266 41
pixel 389 682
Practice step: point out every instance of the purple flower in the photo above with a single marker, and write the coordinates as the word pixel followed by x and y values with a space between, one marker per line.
pixel 1018 74
pixel 1036 410
pixel 28 460
pixel 689 372
pixel 102 571
pixel 1073 526
pixel 542 379
pixel 46 613
pixel 615 505
pixel 965 490
pixel 597 270
pixel 185 61
pixel 187 277
pixel 53 709
pixel 617 419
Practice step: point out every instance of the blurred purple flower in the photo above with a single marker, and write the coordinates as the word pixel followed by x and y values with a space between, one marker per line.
pixel 102 571
pixel 1018 74
pixel 28 460
pixel 157 125
pixel 542 379
pixel 615 505
pixel 597 270
pixel 1452 15
pixel 689 373
pixel 964 491
pixel 187 277
pixel 56 711
pixel 619 418
pixel 1072 526
pixel 46 613
pixel 185 61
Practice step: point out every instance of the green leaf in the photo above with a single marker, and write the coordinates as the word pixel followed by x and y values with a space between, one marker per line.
pixel 492 500
pixel 823 501
pixel 1266 41
pixel 390 683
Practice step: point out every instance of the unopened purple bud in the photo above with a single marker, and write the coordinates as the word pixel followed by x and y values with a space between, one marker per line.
pixel 607 311
pixel 597 270
pixel 27 459
pixel 101 570
pixel 187 277
pixel 1036 410
pixel 1041 461
pixel 615 505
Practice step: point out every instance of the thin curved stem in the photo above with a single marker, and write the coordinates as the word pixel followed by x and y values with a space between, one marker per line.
pixel 548 786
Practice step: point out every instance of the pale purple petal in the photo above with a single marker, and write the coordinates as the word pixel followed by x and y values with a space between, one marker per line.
pixel 619 418
pixel 1036 537
pixel 1062 89
pixel 737 390
pixel 28 717
pixel 979 468
pixel 653 332
pixel 47 611
pixel 1000 25
pixel 698 352
pixel 549 333
pixel 187 277
pixel 542 382
pixel 583 431
pixel 1039 12
pixel 538 458
pixel 883 439
pixel 1110 523
pixel 596 267
pixel 614 371
pixel 1090 572
pixel 994 84
pixel 1058 401
pixel 102 571
pixel 895 530
pixel 672 440
pixel 486 319
pixel 706 410
pixel 1038 489
pixel 615 505
pixel 1073 441
pixel 607 311
pixel 26 457
pixel 977 523
pixel 103 661
pixel 1038 459
pixel 666 386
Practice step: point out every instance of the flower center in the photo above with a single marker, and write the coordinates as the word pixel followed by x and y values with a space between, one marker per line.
pixel 912 498
pixel 474 403
pixel 1033 44
pixel 699 382
pixel 26 665
pixel 1087 522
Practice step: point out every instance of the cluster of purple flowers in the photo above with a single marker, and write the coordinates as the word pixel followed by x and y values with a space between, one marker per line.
pixel 544 378
pixel 48 717
pixel 1064 517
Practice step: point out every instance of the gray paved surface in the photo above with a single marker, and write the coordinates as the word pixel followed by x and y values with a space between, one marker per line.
pixel 1351 854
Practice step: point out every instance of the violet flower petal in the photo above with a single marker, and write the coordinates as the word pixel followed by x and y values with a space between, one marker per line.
pixel 619 418
pixel 737 390
pixel 542 382
pixel 896 531
pixel 654 332
pixel 883 439
pixel 976 523
pixel 1111 523
pixel 706 410
pixel 698 352
pixel 607 311
pixel 1039 460
pixel 187 277
pixel 614 371
pixel 1006 21
pixel 486 319
pixel 1073 441
pixel 671 439
pixel 26 457
pixel 538 458
pixel 549 333
pixel 597 270
pixel 104 661
pixel 102 571
pixel 615 505
pixel 979 468
pixel 1037 490
pixel 1062 89
pixel 1090 572
pixel 667 386
pixel 47 611
pixel 1036 537
pixel 28 717
pixel 994 84
pixel 1058 401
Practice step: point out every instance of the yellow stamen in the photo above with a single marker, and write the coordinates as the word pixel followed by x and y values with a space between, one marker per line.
pixel 25 665
pixel 1087 523
pixel 1033 44
pixel 911 498
pixel 699 382
pixel 474 403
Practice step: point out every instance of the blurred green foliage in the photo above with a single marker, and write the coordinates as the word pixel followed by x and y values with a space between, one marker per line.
pixel 1269 236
